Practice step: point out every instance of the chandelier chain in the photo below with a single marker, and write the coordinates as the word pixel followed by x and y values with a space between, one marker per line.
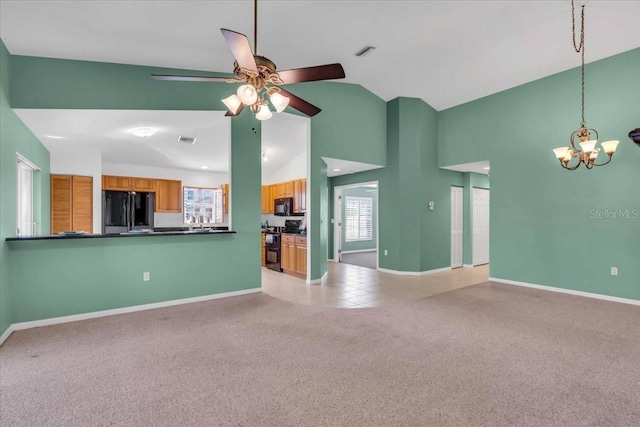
pixel 579 48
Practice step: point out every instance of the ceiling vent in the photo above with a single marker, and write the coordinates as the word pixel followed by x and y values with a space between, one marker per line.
pixel 365 50
pixel 186 140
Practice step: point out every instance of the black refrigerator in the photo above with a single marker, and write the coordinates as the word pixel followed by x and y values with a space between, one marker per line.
pixel 123 211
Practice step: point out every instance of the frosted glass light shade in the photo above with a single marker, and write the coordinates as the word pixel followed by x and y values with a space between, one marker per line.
pixel 594 154
pixel 279 101
pixel 264 113
pixel 247 94
pixel 567 156
pixel 560 152
pixel 588 146
pixel 609 147
pixel 233 103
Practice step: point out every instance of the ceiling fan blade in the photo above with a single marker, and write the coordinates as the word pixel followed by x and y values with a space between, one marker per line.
pixel 189 78
pixel 240 48
pixel 310 74
pixel 300 104
pixel 230 114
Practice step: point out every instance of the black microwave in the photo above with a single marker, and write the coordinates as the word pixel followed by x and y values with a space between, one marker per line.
pixel 283 206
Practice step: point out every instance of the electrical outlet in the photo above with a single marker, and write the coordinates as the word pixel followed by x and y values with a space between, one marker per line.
pixel 146 276
pixel 386 253
pixel 614 271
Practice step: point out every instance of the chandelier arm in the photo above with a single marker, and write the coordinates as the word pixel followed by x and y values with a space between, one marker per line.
pixel 605 163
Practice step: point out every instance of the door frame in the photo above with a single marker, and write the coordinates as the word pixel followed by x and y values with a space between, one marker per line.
pixel 337 218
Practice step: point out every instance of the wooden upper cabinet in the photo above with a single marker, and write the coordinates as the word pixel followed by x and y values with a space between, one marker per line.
pixel 71 203
pixel 225 197
pixel 117 183
pixel 168 196
pixel 300 195
pixel 288 189
pixel 128 183
pixel 264 198
pixel 143 184
pixel 279 191
pixel 272 196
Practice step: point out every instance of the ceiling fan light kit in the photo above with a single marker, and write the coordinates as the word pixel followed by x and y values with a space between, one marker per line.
pixel 588 152
pixel 260 80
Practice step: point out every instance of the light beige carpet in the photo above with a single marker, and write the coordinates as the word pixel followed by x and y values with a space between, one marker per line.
pixel 490 354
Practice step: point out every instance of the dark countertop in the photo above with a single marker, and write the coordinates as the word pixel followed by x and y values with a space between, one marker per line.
pixel 107 236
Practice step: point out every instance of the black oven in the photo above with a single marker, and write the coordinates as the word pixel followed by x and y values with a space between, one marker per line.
pixel 272 251
pixel 283 206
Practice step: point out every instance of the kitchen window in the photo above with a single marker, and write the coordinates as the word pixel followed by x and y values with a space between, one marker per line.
pixel 202 205
pixel 25 225
pixel 359 219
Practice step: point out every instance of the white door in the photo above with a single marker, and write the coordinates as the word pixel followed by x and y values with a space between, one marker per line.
pixel 456 227
pixel 480 226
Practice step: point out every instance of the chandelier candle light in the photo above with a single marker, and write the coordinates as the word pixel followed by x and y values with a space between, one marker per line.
pixel 587 154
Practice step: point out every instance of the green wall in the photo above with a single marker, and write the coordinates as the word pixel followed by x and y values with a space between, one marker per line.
pixel 544 220
pixel 16 138
pixel 371 193
pixel 416 239
pixel 471 181
pixel 353 121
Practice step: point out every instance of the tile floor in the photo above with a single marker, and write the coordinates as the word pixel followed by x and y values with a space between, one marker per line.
pixel 351 286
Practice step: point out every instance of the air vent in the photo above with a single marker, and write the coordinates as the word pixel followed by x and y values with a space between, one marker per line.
pixel 365 50
pixel 186 140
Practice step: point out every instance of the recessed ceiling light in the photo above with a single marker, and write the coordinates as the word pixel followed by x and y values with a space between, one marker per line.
pixel 53 136
pixel 143 132
pixel 487 168
pixel 204 167
pixel 336 170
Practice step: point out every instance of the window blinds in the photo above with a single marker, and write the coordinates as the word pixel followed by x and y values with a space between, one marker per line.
pixel 359 218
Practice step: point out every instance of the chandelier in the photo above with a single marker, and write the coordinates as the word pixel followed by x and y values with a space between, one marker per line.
pixel 588 152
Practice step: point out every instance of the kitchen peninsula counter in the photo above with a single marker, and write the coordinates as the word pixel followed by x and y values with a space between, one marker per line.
pixel 107 236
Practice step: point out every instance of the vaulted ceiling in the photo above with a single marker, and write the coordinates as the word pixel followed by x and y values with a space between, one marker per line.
pixel 445 52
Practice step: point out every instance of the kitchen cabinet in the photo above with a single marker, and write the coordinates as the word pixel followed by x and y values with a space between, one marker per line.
pixel 71 203
pixel 225 197
pixel 294 254
pixel 279 191
pixel 266 199
pixel 301 255
pixel 168 196
pixel 288 189
pixel 128 183
pixel 300 195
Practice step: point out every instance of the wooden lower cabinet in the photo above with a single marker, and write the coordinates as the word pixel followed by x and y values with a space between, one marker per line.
pixel 71 203
pixel 301 255
pixel 294 255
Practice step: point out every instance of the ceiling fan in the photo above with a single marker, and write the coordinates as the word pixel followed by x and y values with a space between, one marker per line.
pixel 260 78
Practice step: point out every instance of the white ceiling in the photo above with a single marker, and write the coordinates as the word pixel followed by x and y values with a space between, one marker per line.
pixel 445 52
pixel 284 136
pixel 476 167
pixel 337 167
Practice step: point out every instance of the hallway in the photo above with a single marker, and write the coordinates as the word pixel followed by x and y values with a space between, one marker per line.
pixel 350 286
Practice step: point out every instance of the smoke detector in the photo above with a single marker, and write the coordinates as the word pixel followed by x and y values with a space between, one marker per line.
pixel 186 140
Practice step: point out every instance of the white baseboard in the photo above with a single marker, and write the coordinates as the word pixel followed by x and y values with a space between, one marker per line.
pixel 331 260
pixel 566 291
pixel 316 281
pixel 6 334
pixel 467 265
pixel 358 251
pixel 414 273
pixel 123 310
